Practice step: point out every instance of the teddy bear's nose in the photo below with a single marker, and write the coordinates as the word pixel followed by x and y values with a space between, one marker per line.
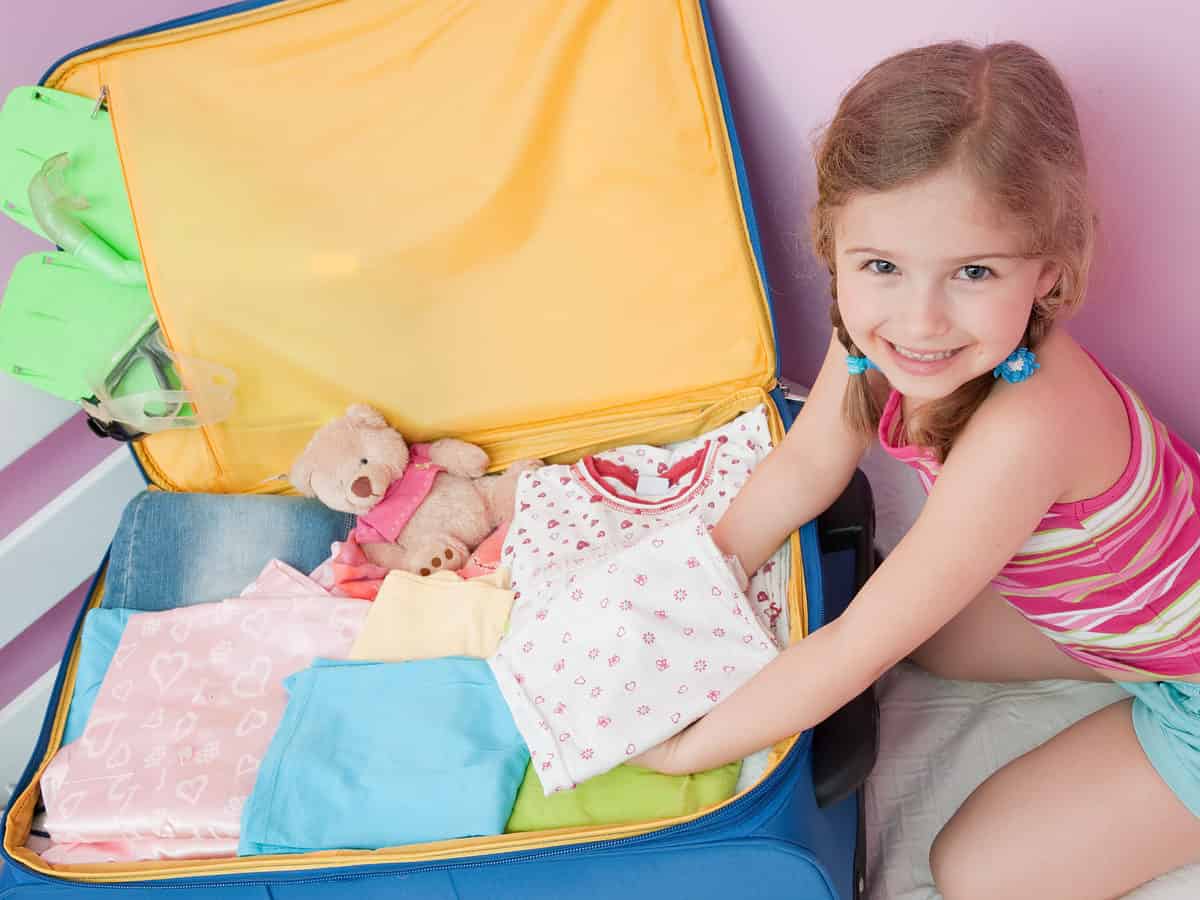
pixel 361 486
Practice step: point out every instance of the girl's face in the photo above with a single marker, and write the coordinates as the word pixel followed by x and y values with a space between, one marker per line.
pixel 932 284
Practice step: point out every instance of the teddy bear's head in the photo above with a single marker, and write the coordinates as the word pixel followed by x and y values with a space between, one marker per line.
pixel 350 462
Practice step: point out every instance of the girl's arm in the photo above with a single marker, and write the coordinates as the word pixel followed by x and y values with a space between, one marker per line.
pixel 801 477
pixel 1007 468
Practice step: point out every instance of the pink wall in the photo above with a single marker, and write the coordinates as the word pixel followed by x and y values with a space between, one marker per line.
pixel 1136 84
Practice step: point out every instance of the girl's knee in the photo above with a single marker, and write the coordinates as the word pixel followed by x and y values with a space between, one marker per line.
pixel 958 872
pixel 933 657
pixel 939 860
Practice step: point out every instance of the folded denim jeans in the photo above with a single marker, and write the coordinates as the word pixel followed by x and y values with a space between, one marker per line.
pixel 175 549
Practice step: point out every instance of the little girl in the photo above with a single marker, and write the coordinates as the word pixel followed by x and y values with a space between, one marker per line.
pixel 1060 538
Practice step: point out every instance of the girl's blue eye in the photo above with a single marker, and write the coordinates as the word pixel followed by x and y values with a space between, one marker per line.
pixel 976 273
pixel 881 266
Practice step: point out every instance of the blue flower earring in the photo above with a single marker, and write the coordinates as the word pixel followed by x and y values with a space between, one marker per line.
pixel 857 365
pixel 1019 365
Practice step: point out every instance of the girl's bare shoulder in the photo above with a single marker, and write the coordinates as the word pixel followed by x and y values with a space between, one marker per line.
pixel 1072 412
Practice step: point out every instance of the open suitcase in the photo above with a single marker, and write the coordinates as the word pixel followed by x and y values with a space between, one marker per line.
pixel 321 190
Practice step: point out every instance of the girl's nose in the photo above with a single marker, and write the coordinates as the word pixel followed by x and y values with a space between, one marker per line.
pixel 926 313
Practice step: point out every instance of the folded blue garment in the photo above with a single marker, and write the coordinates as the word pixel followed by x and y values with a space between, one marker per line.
pixel 373 755
pixel 102 630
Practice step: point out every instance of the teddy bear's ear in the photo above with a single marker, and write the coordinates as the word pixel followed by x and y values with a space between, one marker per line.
pixel 301 475
pixel 362 414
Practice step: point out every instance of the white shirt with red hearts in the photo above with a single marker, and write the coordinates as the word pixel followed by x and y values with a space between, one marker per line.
pixel 568 515
pixel 622 651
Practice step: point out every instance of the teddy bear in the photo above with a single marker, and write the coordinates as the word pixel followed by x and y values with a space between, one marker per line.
pixel 422 508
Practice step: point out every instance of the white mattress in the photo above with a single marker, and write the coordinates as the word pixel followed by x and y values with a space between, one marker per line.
pixel 940 739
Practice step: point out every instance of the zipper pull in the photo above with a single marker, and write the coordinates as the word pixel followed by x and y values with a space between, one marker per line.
pixel 101 101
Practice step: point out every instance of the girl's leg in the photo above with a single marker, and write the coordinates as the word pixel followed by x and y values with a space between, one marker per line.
pixel 1083 816
pixel 991 641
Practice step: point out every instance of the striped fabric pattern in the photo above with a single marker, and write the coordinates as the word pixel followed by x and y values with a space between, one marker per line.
pixel 1113 580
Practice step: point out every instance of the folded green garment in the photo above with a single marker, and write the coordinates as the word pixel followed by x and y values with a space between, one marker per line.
pixel 626 794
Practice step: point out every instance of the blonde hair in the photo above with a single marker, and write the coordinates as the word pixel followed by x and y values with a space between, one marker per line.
pixel 1002 113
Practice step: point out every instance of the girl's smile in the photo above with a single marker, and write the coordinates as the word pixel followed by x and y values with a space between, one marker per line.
pixel 921 362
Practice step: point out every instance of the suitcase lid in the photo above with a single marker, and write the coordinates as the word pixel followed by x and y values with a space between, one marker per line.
pixel 516 224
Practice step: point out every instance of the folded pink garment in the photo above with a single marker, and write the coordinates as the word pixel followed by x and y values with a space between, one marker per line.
pixel 348 572
pixel 278 577
pixel 127 851
pixel 353 574
pixel 185 713
pixel 486 558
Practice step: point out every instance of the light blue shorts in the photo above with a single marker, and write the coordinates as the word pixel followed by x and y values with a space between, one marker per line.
pixel 1166 719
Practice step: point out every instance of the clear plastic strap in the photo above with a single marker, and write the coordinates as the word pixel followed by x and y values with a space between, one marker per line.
pixel 209 394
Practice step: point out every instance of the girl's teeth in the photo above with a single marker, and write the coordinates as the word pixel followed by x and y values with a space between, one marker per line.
pixel 923 357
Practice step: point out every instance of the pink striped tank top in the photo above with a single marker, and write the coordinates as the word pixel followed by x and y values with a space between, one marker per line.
pixel 1113 580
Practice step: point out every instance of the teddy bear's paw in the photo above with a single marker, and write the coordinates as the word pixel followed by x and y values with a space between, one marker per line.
pixel 450 559
pixel 525 465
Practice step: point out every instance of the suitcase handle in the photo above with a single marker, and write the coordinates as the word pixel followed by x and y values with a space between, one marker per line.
pixel 845 745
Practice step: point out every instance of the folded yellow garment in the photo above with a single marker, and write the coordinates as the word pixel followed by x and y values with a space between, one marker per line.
pixel 416 617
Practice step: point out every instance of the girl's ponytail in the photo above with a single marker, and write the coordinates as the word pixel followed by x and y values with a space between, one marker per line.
pixel 860 404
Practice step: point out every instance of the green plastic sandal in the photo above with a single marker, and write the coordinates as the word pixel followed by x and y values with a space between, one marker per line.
pixel 65 327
